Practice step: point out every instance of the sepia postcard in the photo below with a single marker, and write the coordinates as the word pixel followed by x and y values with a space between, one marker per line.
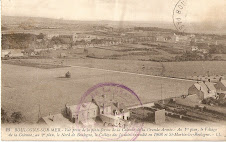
pixel 113 70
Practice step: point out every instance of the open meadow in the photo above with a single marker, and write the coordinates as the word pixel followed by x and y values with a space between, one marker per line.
pixel 25 88
pixel 168 69
pixel 28 83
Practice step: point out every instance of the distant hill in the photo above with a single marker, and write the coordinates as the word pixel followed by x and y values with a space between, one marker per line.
pixel 20 23
pixel 36 23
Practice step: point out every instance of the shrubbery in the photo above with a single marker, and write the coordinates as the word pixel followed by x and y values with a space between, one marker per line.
pixel 15 117
pixel 217 49
pixel 193 56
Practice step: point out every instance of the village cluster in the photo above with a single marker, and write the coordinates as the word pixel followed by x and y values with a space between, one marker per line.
pixel 205 101
pixel 104 37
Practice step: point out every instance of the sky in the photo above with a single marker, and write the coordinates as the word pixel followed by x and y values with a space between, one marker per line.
pixel 212 11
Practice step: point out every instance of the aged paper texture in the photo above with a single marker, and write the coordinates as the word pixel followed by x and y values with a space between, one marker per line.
pixel 113 70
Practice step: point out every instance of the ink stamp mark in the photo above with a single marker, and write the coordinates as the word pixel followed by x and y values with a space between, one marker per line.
pixel 179 15
pixel 109 105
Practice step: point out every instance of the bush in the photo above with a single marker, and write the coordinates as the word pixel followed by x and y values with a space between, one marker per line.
pixel 217 49
pixel 4 116
pixel 193 56
pixel 16 117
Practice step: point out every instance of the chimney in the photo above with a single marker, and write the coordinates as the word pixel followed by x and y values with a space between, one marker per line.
pixel 103 108
pixel 51 118
pixel 209 80
pixel 115 112
pixel 92 99
pixel 117 104
pixel 220 78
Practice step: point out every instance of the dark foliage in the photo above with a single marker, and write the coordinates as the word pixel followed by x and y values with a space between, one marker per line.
pixel 4 116
pixel 217 49
pixel 16 117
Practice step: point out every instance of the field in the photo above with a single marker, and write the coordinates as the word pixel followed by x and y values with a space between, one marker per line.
pixel 168 69
pixel 134 52
pixel 25 88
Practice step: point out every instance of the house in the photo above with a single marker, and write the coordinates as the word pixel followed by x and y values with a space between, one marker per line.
pixel 111 112
pixel 85 113
pixel 29 52
pixel 180 38
pixel 221 88
pixel 56 47
pixel 5 53
pixel 15 53
pixel 194 48
pixel 66 38
pixel 161 38
pixel 190 100
pixel 203 90
pixel 85 37
pixel 63 55
pixel 204 51
pixel 50 35
pixel 221 85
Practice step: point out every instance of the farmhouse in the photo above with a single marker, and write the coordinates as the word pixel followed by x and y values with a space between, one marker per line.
pixel 85 113
pixel 66 38
pixel 14 53
pixel 85 37
pixel 221 88
pixel 51 35
pixel 112 112
pixel 221 85
pixel 203 90
pixel 194 48
pixel 161 38
pixel 63 55
pixel 180 38
pixel 5 53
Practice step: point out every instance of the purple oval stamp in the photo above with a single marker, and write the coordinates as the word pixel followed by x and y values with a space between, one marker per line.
pixel 105 109
pixel 179 15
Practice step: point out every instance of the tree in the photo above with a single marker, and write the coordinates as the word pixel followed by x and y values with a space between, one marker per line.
pixel 41 36
pixel 4 117
pixel 16 117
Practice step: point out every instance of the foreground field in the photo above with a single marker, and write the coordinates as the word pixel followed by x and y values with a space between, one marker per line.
pixel 25 88
pixel 168 69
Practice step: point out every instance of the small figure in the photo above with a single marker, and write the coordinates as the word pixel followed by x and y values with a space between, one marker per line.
pixel 68 75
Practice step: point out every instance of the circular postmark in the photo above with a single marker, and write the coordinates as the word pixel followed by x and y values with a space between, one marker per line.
pixel 106 106
pixel 179 15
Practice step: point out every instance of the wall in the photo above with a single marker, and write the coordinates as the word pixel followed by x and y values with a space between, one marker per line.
pixel 193 90
pixel 220 86
pixel 160 116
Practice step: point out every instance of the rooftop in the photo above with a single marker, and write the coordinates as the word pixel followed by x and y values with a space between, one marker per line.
pixel 56 119
pixel 223 82
pixel 82 107
pixel 205 86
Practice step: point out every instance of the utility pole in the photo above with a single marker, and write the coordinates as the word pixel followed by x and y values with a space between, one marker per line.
pixel 161 91
pixel 161 95
pixel 39 112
